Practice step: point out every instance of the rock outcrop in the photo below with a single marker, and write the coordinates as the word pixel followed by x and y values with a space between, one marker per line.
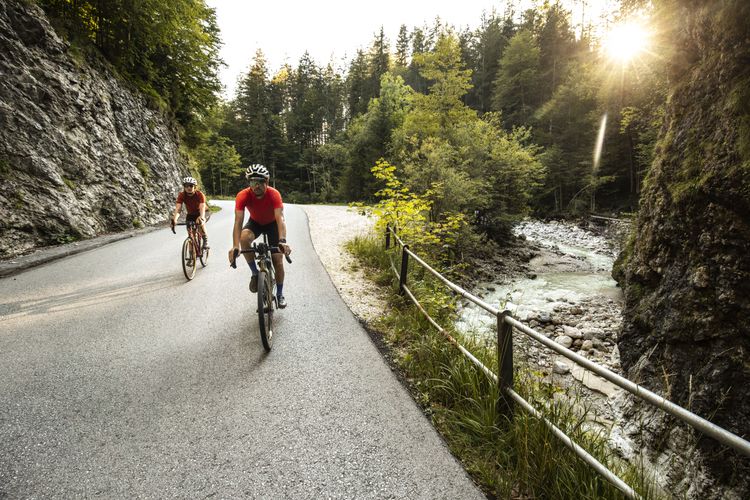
pixel 81 151
pixel 686 274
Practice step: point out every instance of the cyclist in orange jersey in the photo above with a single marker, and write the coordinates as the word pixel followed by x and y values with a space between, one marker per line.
pixel 195 205
pixel 266 216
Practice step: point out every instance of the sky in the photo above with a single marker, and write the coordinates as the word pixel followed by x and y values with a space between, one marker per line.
pixel 330 30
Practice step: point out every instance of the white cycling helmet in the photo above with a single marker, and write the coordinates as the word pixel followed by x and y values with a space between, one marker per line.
pixel 257 171
pixel 189 180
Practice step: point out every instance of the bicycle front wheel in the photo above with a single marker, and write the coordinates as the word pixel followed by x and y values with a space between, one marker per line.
pixel 203 253
pixel 188 259
pixel 265 310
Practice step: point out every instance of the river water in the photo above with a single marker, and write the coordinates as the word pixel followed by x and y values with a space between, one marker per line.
pixel 575 265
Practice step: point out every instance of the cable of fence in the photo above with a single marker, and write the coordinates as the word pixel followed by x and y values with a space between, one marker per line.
pixel 703 425
pixel 484 305
pixel 699 423
pixel 585 456
pixel 567 441
pixel 450 338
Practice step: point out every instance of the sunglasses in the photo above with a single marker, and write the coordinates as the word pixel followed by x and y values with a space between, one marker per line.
pixel 257 182
pixel 188 185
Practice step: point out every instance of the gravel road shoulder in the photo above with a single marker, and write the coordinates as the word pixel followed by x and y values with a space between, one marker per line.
pixel 330 228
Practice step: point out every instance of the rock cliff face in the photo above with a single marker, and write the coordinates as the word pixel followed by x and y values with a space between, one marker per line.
pixel 81 153
pixel 686 275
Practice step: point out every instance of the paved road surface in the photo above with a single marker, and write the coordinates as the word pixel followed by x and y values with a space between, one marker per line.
pixel 120 379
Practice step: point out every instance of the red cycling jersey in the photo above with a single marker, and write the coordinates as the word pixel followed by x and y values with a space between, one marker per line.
pixel 261 209
pixel 191 202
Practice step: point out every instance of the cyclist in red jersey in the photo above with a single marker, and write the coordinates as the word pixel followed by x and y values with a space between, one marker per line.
pixel 195 205
pixel 266 217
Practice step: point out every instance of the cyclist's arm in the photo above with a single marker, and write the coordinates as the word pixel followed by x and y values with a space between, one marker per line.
pixel 279 214
pixel 239 217
pixel 176 213
pixel 202 210
pixel 283 245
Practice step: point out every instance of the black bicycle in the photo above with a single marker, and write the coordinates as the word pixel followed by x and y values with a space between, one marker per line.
pixel 266 287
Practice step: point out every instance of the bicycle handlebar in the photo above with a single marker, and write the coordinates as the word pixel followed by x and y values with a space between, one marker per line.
pixel 253 250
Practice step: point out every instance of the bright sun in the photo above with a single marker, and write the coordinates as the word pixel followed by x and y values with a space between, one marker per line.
pixel 626 41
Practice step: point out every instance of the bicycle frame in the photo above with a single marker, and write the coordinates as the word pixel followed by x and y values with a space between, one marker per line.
pixel 192 250
pixel 194 234
pixel 266 286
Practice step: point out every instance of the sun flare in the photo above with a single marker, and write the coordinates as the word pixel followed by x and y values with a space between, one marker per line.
pixel 626 41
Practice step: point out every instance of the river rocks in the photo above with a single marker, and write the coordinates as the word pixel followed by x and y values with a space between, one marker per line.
pixel 554 234
pixel 81 152
pixel 564 341
pixel 560 368
pixel 572 332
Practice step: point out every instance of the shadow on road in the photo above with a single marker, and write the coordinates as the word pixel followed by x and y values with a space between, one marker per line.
pixel 88 296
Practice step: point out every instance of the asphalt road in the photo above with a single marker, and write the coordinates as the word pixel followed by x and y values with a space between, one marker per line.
pixel 120 379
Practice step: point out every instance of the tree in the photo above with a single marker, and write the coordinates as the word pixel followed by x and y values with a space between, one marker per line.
pixel 368 136
pixel 379 62
pixel 402 47
pixel 356 83
pixel 572 116
pixel 467 163
pixel 515 91
pixel 490 41
pixel 419 45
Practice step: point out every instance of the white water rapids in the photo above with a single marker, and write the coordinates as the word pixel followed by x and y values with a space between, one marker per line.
pixel 579 269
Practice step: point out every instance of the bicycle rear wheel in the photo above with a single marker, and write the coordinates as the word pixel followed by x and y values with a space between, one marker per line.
pixel 265 310
pixel 188 259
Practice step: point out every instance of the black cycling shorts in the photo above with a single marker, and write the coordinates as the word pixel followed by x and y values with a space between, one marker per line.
pixel 271 230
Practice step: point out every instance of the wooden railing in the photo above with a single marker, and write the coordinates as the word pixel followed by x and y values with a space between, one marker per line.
pixel 506 327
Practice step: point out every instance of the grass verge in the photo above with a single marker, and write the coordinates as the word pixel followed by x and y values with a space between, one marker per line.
pixel 508 457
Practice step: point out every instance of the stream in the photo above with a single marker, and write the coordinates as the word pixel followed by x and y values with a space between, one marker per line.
pixel 569 296
pixel 572 272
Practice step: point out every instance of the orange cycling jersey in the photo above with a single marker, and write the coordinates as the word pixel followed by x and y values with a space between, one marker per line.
pixel 261 209
pixel 192 203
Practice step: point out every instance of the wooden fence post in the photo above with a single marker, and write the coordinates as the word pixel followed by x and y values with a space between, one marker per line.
pixel 505 364
pixel 404 269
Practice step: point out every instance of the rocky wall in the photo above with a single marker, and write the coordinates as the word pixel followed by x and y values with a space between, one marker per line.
pixel 81 152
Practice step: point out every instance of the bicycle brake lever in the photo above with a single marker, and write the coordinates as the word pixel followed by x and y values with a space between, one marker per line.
pixel 288 259
pixel 234 259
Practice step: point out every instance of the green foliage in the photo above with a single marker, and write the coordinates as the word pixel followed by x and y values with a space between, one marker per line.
pixel 398 207
pixel 368 137
pixel 169 49
pixel 5 168
pixel 516 86
pixel 64 238
pixel 470 164
pixel 218 163
pixel 70 183
pixel 143 168
pixel 509 458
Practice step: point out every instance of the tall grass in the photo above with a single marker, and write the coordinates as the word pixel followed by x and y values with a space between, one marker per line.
pixel 509 456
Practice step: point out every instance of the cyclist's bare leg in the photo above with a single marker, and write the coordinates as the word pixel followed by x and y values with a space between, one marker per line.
pixel 278 266
pixel 246 241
